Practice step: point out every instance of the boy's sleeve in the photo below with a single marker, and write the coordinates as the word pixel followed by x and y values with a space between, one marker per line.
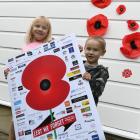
pixel 98 81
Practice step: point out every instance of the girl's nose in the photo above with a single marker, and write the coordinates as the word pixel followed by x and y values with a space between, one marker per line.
pixel 40 28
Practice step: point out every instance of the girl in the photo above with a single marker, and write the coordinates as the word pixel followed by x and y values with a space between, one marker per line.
pixel 39 32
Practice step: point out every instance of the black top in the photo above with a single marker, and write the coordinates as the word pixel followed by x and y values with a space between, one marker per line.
pixel 98 81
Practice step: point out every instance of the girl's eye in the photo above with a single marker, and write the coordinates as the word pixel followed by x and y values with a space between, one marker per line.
pixel 37 26
pixel 44 27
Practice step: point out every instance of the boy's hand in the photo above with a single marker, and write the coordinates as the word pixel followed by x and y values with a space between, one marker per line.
pixel 87 76
pixel 6 71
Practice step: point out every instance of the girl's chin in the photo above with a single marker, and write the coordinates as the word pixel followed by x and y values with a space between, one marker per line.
pixel 39 40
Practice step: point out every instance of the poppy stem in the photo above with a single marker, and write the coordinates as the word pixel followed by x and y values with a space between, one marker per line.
pixel 55 135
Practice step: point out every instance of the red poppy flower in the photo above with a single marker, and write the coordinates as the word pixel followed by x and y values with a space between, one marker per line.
pixel 101 3
pixel 121 9
pixel 131 45
pixel 97 25
pixel 43 78
pixel 127 73
pixel 132 25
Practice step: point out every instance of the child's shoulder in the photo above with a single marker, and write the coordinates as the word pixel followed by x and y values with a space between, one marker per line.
pixel 30 46
pixel 103 68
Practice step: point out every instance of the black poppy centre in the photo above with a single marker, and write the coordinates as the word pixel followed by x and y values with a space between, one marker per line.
pixel 133 45
pixel 121 9
pixel 133 24
pixel 45 84
pixel 97 25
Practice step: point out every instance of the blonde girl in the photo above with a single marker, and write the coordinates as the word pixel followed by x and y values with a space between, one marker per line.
pixel 39 32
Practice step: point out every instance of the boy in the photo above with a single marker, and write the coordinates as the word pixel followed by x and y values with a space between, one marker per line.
pixel 96 74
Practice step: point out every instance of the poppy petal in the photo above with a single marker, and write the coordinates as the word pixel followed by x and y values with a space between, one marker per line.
pixel 132 25
pixel 121 9
pixel 101 3
pixel 131 45
pixel 97 25
pixel 45 83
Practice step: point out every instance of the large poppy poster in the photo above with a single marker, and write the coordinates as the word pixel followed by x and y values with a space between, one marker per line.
pixel 50 100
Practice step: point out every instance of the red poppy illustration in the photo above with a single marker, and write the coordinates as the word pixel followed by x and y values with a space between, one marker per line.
pixel 121 9
pixel 127 73
pixel 43 78
pixel 97 25
pixel 131 45
pixel 101 3
pixel 132 25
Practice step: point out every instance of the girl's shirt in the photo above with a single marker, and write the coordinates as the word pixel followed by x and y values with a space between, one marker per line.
pixel 26 48
pixel 31 46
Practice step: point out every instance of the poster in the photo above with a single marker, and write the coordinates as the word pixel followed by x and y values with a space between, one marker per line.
pixel 50 100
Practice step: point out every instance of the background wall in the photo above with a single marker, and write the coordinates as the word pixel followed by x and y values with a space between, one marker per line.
pixel 119 106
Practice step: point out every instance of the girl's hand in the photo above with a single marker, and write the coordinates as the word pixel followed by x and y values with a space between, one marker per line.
pixel 87 76
pixel 6 71
pixel 80 48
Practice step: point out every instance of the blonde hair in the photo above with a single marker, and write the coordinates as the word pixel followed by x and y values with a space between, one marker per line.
pixel 29 36
pixel 99 39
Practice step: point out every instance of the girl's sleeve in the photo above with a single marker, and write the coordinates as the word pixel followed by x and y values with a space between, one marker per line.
pixel 24 49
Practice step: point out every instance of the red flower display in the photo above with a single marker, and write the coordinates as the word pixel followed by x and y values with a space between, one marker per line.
pixel 131 45
pixel 132 25
pixel 127 73
pixel 97 25
pixel 43 78
pixel 101 3
pixel 121 9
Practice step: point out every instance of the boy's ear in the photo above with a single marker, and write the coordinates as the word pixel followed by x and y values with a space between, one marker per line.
pixel 103 52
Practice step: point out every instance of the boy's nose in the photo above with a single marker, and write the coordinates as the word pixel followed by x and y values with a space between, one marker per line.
pixel 91 52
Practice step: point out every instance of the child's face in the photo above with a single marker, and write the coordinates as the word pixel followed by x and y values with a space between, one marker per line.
pixel 40 30
pixel 93 51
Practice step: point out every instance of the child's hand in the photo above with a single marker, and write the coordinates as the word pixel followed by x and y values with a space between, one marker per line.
pixel 80 48
pixel 6 71
pixel 87 76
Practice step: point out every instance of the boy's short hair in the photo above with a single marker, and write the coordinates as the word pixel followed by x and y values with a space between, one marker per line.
pixel 99 39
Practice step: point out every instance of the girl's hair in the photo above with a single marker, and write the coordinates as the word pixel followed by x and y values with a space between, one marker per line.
pixel 98 39
pixel 29 36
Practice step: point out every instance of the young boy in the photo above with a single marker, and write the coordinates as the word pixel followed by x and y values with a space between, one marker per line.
pixel 96 74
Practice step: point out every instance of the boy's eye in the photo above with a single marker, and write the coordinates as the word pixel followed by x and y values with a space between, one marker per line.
pixel 95 49
pixel 92 49
pixel 88 48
